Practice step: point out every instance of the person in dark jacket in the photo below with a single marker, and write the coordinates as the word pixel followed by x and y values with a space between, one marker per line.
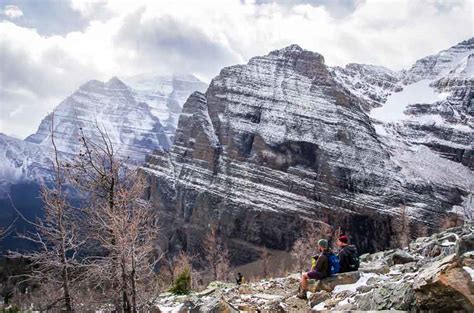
pixel 240 279
pixel 348 256
pixel 319 270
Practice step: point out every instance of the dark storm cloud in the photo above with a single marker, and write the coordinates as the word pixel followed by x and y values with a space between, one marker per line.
pixel 172 45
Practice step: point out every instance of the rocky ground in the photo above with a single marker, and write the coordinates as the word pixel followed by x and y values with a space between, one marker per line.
pixel 434 274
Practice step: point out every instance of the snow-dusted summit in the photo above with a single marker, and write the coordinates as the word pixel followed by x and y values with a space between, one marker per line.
pixel 440 64
pixel 137 120
pixel 372 83
pixel 111 106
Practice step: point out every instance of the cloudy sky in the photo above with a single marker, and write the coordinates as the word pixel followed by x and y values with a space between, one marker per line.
pixel 48 48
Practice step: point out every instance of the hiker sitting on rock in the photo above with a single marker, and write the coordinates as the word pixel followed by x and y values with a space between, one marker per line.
pixel 319 268
pixel 348 256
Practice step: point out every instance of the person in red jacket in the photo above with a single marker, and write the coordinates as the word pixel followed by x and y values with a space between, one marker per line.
pixel 319 270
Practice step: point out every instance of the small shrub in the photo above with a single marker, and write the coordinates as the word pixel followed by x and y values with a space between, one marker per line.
pixel 11 309
pixel 182 284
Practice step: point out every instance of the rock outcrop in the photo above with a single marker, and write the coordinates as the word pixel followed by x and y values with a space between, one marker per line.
pixel 372 83
pixel 332 282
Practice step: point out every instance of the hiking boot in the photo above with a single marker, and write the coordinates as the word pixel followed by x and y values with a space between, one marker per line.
pixel 302 294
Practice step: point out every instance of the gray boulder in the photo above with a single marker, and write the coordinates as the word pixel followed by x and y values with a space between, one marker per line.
pixel 378 267
pixel 391 296
pixel 401 257
pixel 328 284
pixel 319 297
pixel 444 286
pixel 465 244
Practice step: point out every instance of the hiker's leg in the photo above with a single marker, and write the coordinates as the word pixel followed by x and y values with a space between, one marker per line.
pixel 304 281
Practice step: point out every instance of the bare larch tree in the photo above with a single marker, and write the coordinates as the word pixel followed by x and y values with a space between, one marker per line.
pixel 56 237
pixel 216 254
pixel 265 254
pixel 122 226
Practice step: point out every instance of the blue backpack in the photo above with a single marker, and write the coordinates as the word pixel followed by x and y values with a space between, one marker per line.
pixel 333 264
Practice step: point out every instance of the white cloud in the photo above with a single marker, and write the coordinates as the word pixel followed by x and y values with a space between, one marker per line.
pixel 12 11
pixel 89 8
pixel 202 37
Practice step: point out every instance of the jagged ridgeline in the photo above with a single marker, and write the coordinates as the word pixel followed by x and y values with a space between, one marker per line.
pixel 285 141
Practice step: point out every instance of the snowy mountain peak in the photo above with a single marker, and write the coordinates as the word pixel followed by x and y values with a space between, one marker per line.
pixel 116 84
pixel 91 84
pixel 130 116
pixel 111 106
pixel 139 117
pixel 469 43
pixel 294 51
pixel 371 69
pixel 165 94
pixel 440 64
pixel 290 48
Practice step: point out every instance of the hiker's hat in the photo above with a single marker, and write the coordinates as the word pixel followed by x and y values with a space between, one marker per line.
pixel 323 243
pixel 343 239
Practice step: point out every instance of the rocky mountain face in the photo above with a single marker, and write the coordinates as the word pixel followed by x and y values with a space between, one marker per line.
pixel 132 118
pixel 372 83
pixel 165 95
pixel 20 159
pixel 433 274
pixel 284 141
pixel 443 119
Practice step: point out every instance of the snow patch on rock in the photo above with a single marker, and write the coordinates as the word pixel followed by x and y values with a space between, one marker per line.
pixel 419 92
